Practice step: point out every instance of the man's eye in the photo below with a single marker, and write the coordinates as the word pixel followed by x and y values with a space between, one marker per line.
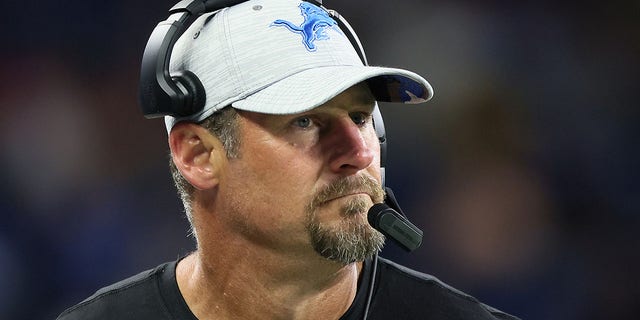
pixel 303 122
pixel 359 118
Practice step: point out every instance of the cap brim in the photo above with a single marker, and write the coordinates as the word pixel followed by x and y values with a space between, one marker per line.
pixel 311 88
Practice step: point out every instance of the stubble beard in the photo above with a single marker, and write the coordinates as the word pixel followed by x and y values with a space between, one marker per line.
pixel 351 239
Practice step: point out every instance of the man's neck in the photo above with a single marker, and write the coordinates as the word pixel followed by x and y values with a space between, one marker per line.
pixel 216 287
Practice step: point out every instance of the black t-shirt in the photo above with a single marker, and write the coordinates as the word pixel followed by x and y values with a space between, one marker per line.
pixel 398 293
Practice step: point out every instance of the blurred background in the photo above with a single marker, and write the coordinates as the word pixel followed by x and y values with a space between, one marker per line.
pixel 522 171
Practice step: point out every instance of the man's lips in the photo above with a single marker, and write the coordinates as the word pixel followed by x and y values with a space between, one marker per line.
pixel 357 193
pixel 347 186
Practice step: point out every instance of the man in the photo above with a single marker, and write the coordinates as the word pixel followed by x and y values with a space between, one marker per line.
pixel 277 171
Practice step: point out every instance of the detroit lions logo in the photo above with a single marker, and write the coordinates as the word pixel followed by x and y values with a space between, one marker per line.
pixel 314 27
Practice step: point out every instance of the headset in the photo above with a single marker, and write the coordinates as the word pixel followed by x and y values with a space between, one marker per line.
pixel 181 94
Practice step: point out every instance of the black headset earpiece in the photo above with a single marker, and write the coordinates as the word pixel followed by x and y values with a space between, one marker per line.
pixel 162 93
pixel 194 94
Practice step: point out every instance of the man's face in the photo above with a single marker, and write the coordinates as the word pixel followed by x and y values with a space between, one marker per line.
pixel 305 181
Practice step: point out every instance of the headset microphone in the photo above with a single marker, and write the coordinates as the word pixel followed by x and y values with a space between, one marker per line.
pixel 393 224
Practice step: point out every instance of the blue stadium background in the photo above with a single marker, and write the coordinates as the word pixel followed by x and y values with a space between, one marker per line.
pixel 522 171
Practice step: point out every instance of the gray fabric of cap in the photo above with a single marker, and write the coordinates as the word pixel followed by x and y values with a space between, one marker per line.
pixel 280 57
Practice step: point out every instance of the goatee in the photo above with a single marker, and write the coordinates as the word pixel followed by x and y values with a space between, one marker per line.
pixel 352 239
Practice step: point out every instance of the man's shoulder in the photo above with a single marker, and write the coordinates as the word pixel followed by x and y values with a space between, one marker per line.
pixel 136 297
pixel 413 292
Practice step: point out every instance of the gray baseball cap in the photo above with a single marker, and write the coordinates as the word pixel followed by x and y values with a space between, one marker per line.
pixel 280 57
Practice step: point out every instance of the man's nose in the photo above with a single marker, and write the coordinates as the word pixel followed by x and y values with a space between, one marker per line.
pixel 350 150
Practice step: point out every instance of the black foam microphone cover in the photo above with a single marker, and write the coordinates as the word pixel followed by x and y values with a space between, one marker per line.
pixel 395 226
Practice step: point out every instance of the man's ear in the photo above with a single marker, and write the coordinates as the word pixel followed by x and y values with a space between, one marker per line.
pixel 197 154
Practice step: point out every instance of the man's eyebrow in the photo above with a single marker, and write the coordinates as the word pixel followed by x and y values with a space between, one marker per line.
pixel 365 100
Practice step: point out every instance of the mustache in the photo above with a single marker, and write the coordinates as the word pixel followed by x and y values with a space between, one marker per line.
pixel 348 185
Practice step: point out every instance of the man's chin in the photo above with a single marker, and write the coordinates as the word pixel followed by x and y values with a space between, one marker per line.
pixel 349 240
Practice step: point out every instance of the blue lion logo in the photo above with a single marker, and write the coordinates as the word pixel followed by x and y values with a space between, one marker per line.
pixel 314 26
